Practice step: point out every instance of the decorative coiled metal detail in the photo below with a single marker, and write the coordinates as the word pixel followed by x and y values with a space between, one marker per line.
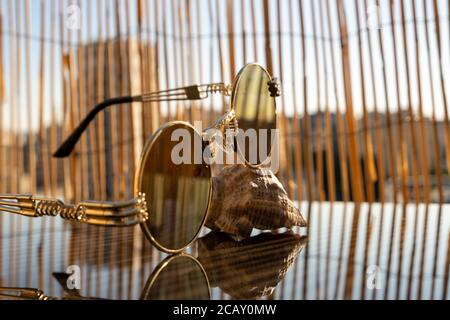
pixel 219 88
pixel 56 207
pixel 141 203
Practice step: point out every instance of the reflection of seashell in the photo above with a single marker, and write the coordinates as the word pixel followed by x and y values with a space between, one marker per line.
pixel 250 268
pixel 245 198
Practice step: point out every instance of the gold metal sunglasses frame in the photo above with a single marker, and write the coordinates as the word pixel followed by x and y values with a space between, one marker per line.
pixel 134 211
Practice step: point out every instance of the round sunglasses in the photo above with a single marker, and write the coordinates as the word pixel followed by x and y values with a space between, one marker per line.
pixel 172 198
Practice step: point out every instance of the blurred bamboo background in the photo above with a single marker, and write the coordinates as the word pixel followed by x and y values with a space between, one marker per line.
pixel 363 116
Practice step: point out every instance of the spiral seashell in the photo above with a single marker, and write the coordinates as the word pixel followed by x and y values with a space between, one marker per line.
pixel 245 198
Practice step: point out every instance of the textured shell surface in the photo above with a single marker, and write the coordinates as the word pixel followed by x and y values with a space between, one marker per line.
pixel 245 198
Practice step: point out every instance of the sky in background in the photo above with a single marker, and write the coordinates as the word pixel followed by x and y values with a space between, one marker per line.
pixel 207 17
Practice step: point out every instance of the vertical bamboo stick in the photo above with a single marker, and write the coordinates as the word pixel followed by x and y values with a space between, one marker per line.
pixel 403 146
pixel 267 41
pixel 53 142
pixel 341 138
pixel 447 135
pixel 20 144
pixel 447 271
pixel 319 145
pixel 412 262
pixel 307 136
pixel 380 175
pixel 439 174
pixel 80 95
pixel 152 114
pixel 165 60
pixel 93 173
pixel 329 153
pixel 43 136
pixel 148 117
pixel 114 192
pixel 135 145
pixel 412 130
pixel 331 187
pixel 437 247
pixel 31 138
pixel 200 60
pixel 157 59
pixel 142 63
pixel 369 167
pixel 296 125
pixel 78 74
pixel 284 127
pixel 306 125
pixel 353 146
pixel 244 32
pixel 255 43
pixel 318 126
pixel 13 134
pixel 367 240
pixel 101 160
pixel 401 248
pixel 219 42
pixel 121 123
pixel 146 123
pixel 178 13
pixel 100 95
pixel 213 61
pixel 350 273
pixel 118 61
pixel 390 153
pixel 403 166
pixel 231 50
pixel 437 29
pixel 423 147
pixel 65 89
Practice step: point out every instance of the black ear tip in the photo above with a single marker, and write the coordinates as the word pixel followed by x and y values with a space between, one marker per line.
pixel 61 152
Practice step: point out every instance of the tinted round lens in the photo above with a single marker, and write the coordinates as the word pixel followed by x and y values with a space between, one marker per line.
pixel 255 113
pixel 176 183
pixel 181 278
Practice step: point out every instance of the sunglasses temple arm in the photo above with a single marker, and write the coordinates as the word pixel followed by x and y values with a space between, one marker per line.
pixel 69 144
pixel 195 92
pixel 36 294
pixel 23 294
pixel 117 214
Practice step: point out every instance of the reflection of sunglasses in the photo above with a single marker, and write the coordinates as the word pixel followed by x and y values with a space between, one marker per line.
pixel 178 277
pixel 248 269
pixel 172 200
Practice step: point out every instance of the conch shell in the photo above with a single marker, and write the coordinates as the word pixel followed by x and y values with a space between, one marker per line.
pixel 251 268
pixel 245 198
